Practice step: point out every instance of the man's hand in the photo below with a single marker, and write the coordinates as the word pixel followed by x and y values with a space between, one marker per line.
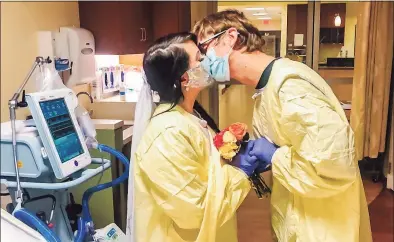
pixel 264 151
pixel 244 161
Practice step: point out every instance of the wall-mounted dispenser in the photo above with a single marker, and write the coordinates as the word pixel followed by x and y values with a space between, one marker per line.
pixel 75 45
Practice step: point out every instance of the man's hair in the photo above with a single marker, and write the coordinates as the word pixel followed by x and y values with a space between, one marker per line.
pixel 249 36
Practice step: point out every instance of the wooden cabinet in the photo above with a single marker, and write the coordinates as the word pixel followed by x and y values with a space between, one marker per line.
pixel 170 17
pixel 137 32
pixel 129 27
pixel 328 12
pixel 332 35
pixel 118 27
pixel 297 19
pixel 329 33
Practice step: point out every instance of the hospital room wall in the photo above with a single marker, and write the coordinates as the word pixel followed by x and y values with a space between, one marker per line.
pixel 20 22
pixel 236 105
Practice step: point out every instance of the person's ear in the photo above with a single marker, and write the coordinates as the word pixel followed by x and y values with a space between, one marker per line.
pixel 232 34
pixel 184 79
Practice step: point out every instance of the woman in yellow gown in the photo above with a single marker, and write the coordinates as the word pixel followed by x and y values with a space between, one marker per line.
pixel 183 191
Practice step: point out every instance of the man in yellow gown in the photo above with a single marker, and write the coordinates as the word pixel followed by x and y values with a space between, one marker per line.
pixel 302 133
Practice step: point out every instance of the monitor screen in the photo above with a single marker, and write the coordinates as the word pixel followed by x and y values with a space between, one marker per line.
pixel 62 129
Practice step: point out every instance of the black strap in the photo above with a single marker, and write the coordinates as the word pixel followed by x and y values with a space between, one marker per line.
pixel 266 75
pixel 204 115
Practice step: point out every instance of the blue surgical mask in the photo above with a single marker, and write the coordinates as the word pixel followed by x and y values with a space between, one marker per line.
pixel 217 67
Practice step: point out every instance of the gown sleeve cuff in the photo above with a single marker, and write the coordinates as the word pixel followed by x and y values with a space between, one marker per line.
pixel 281 159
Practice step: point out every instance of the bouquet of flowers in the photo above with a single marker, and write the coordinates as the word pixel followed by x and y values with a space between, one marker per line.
pixel 229 142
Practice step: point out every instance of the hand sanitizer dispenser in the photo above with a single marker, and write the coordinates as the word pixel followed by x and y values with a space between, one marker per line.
pixel 77 45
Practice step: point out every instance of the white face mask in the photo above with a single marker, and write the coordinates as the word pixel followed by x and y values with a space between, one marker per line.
pixel 199 78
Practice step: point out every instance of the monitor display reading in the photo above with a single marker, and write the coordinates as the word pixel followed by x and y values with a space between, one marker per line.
pixel 62 129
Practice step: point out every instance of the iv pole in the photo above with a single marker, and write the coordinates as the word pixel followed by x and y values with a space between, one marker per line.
pixel 13 104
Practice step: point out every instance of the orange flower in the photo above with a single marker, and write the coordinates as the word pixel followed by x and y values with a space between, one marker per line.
pixel 238 130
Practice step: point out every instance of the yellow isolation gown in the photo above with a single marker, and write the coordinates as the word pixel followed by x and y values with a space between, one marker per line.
pixel 317 192
pixel 183 190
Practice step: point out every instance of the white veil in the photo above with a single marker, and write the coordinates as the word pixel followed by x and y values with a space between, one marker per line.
pixel 143 113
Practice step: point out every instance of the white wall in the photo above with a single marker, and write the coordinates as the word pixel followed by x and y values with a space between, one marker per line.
pixel 273 25
pixel 20 22
pixel 352 10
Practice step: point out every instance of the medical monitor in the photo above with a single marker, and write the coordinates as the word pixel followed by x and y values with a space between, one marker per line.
pixel 53 114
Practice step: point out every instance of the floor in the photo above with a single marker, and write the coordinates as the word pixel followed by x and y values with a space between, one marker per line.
pixel 254 215
pixel 381 214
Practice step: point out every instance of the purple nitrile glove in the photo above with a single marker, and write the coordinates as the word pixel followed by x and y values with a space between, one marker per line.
pixel 243 160
pixel 264 151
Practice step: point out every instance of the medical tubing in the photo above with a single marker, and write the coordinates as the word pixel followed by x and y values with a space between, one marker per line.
pixel 81 233
pixel 34 222
pixel 86 217
pixel 53 198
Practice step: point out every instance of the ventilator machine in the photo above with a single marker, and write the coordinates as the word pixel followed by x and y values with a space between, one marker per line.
pixel 43 157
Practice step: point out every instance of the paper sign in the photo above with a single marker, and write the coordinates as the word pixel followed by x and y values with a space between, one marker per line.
pixel 298 40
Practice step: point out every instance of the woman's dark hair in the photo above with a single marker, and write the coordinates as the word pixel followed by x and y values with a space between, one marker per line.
pixel 164 64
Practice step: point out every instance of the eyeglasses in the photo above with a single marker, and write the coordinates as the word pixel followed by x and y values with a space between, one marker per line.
pixel 202 46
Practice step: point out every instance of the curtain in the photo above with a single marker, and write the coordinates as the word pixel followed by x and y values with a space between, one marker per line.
pixel 389 154
pixel 388 168
pixel 372 75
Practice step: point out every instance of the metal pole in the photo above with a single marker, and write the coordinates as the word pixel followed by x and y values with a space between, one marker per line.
pixel 13 105
pixel 13 128
pixel 39 61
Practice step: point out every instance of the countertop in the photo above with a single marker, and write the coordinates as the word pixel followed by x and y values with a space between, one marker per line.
pixel 107 124
pixel 336 67
pixel 127 135
pixel 131 97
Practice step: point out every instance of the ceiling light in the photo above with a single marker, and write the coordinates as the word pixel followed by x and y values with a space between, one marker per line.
pixel 259 14
pixel 265 18
pixel 337 20
pixel 254 9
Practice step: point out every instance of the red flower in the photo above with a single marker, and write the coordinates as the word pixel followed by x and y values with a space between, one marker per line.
pixel 238 130
pixel 218 140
